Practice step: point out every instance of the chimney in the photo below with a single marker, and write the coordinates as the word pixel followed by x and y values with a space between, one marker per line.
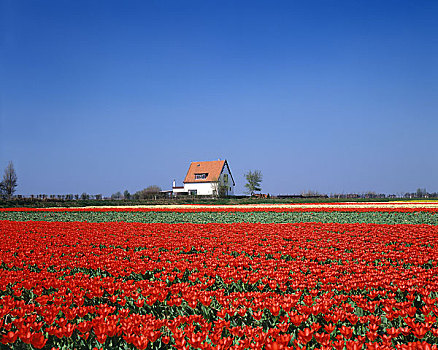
pixel 174 184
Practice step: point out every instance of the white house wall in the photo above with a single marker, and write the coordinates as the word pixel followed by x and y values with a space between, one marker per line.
pixel 229 184
pixel 202 188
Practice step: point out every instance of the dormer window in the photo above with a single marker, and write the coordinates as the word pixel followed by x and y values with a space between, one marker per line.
pixel 201 176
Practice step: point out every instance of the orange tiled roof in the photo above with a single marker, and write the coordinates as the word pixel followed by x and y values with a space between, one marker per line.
pixel 212 168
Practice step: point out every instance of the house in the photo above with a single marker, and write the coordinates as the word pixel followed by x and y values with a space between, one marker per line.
pixel 206 179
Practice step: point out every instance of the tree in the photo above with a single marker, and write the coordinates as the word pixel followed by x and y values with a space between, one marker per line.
pixel 219 188
pixel 117 195
pixel 253 178
pixel 7 186
pixel 310 193
pixel 148 192
pixel 85 196
pixel 421 192
pixel 126 194
pixel 154 189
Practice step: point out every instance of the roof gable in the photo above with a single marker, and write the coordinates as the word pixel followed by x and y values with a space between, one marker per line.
pixel 213 169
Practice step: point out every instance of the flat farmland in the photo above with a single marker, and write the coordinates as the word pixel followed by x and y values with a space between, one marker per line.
pixel 344 276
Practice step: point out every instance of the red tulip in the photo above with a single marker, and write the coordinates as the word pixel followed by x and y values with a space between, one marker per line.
pixel 38 340
pixel 305 335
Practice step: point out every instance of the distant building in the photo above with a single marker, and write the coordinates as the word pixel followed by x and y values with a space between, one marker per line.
pixel 204 179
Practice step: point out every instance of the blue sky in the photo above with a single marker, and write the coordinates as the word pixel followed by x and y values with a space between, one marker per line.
pixel 331 96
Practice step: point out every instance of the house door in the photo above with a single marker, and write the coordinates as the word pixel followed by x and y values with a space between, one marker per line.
pixel 193 192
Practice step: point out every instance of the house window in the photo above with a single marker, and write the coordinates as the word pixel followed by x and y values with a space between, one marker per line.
pixel 193 192
pixel 225 178
pixel 201 176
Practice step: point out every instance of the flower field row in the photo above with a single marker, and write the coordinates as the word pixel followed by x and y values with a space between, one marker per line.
pixel 218 286
pixel 242 209
pixel 220 215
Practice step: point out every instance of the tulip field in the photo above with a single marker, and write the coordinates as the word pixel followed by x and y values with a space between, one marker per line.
pixel 219 278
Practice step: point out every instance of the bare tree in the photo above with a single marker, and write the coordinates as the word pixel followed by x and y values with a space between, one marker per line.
pixel 215 187
pixel 7 186
pixel 219 188
pixel 149 192
pixel 310 193
pixel 153 189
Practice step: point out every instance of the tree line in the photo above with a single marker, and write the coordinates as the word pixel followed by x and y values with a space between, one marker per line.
pixel 149 192
pixel 253 179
